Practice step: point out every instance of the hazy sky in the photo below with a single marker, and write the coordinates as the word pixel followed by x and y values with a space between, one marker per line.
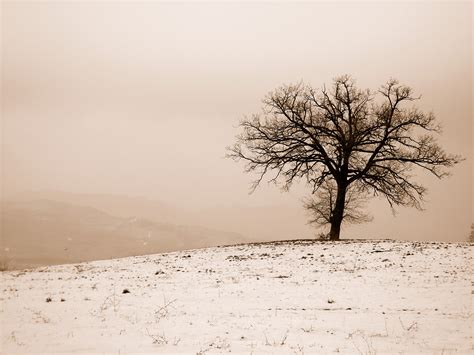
pixel 141 98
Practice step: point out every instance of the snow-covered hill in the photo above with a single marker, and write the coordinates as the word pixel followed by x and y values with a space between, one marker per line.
pixel 286 297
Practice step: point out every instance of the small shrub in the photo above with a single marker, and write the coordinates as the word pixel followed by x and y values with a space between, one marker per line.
pixel 5 265
pixel 322 236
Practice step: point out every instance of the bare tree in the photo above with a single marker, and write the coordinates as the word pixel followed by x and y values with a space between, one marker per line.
pixel 345 135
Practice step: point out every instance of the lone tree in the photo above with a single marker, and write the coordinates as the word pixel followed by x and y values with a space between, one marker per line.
pixel 344 142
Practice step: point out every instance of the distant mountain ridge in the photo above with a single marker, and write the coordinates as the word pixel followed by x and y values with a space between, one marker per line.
pixel 250 221
pixel 116 205
pixel 42 232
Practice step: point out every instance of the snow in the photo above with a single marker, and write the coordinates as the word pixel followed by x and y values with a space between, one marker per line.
pixel 302 297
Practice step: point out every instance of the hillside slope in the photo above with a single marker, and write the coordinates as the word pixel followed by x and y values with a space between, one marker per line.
pixel 45 232
pixel 286 297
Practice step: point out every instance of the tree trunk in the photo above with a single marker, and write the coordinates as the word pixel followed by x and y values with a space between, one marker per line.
pixel 338 212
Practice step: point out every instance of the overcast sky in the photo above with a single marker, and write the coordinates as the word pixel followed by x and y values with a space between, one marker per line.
pixel 141 98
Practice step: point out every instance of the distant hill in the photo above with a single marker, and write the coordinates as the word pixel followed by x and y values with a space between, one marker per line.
pixel 250 221
pixel 43 232
pixel 116 205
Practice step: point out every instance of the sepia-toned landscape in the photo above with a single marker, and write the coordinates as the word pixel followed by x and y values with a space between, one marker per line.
pixel 236 177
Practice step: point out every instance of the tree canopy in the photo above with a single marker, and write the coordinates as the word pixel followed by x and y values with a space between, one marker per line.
pixel 344 136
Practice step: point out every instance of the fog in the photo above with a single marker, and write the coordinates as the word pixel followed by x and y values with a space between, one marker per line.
pixel 142 98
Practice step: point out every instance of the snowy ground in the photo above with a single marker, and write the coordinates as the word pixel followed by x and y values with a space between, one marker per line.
pixel 306 297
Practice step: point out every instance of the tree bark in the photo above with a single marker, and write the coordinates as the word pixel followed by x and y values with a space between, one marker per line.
pixel 338 212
